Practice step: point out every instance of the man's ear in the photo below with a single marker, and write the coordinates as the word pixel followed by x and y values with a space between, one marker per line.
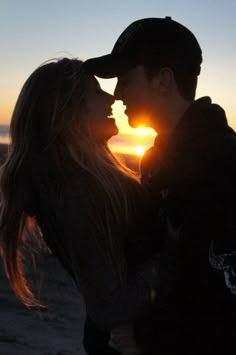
pixel 163 81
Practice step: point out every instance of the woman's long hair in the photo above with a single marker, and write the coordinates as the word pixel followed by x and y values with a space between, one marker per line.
pixel 50 119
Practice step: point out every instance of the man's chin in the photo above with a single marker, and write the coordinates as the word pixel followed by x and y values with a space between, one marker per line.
pixel 132 124
pixel 137 121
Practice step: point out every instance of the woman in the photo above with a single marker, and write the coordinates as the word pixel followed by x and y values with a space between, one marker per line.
pixel 61 177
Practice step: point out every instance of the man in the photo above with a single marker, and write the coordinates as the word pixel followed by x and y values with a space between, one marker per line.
pixel 191 172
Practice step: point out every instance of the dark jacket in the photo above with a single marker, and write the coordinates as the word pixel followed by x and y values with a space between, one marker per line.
pixel 194 184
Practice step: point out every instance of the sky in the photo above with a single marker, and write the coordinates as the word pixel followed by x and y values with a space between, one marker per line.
pixel 33 31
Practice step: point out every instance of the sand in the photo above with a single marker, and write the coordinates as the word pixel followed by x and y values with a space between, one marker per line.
pixel 57 330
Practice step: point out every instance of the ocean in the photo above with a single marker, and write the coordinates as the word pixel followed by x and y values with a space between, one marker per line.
pixel 122 143
pixel 4 134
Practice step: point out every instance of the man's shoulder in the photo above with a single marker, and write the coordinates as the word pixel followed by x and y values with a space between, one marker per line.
pixel 226 149
pixel 230 140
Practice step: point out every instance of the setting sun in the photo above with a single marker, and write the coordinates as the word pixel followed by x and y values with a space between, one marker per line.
pixel 140 150
pixel 144 131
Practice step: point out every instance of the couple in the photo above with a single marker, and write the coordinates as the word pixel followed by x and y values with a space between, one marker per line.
pixel 155 261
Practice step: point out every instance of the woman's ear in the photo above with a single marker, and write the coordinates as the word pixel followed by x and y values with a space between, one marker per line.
pixel 163 81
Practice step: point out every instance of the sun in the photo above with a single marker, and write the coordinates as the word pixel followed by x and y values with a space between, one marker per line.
pixel 142 131
pixel 139 150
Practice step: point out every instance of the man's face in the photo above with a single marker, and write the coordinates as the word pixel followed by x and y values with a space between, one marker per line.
pixel 136 91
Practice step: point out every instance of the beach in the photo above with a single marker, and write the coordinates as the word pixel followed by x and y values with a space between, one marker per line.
pixel 56 330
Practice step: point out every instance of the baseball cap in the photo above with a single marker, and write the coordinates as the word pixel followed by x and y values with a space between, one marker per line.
pixel 160 41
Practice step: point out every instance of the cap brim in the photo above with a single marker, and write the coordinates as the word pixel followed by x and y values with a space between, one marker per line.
pixel 103 67
pixel 107 66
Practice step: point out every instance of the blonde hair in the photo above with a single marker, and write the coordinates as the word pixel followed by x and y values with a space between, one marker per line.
pixel 49 117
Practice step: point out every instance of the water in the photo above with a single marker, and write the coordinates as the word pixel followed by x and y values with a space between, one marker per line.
pixel 4 134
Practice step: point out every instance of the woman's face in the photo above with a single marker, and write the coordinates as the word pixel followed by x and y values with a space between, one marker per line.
pixel 98 104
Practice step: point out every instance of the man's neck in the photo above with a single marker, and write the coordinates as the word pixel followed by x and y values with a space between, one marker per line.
pixel 171 117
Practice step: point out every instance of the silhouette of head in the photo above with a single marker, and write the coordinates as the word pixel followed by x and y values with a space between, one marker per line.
pixel 162 41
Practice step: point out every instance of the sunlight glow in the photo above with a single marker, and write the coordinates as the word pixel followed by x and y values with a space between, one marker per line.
pixel 140 150
pixel 142 131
